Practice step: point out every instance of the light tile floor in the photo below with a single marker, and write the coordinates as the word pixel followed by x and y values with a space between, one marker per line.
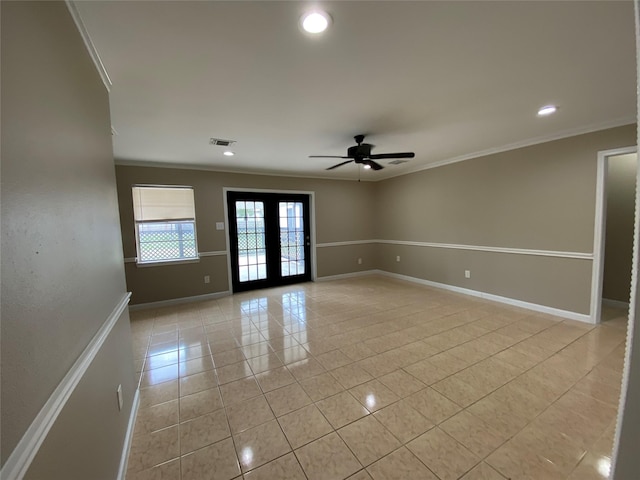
pixel 372 378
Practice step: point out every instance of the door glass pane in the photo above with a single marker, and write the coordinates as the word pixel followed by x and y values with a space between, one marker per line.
pixel 291 238
pixel 252 263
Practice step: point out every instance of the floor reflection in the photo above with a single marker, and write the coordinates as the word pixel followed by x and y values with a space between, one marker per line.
pixel 464 385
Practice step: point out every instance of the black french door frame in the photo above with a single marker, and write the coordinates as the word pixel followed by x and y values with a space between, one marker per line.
pixel 268 238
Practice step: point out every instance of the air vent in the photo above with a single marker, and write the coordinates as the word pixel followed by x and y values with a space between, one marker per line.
pixel 397 162
pixel 220 142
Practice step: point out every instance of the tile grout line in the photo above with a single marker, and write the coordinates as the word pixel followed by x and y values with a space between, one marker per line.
pixel 401 368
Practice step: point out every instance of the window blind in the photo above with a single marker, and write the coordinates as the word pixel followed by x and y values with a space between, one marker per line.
pixel 163 203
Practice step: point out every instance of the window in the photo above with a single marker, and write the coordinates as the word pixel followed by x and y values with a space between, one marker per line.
pixel 165 223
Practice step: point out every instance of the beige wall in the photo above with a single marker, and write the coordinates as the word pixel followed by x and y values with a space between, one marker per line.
pixel 621 200
pixel 343 212
pixel 62 272
pixel 540 198
pixel 86 440
pixel 341 260
pixel 536 198
pixel 527 278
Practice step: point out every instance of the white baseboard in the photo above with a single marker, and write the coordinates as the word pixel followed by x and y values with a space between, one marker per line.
pixel 466 291
pixel 615 303
pixel 179 301
pixel 20 459
pixel 496 298
pixel 347 275
pixel 126 447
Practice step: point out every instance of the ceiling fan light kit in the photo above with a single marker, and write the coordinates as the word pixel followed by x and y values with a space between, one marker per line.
pixel 361 153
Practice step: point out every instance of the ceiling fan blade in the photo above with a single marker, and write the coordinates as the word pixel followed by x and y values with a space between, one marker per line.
pixel 340 164
pixel 326 156
pixel 373 165
pixel 380 156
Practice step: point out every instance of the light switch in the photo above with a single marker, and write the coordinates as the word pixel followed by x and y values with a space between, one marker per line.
pixel 219 225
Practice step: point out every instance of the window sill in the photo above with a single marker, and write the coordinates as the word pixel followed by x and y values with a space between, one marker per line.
pixel 160 263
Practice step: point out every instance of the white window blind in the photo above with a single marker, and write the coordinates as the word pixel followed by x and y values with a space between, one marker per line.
pixel 163 203
pixel 165 223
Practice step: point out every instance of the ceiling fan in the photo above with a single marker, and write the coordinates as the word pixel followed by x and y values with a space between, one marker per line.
pixel 361 153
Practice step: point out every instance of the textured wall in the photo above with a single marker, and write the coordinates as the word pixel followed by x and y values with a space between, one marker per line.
pixel 86 441
pixel 62 273
pixel 343 212
pixel 538 198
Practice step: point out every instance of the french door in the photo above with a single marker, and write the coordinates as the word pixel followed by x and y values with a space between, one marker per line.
pixel 269 239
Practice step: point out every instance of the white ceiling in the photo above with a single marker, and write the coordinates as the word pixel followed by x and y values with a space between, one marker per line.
pixel 447 80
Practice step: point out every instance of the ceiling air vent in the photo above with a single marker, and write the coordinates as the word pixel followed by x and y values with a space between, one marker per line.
pixel 220 142
pixel 397 162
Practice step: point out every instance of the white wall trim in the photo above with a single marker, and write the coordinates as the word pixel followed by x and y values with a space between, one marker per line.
pixel 615 303
pixel 124 459
pixel 20 459
pixel 266 190
pixel 347 275
pixel 213 254
pixel 344 244
pixel 496 298
pixel 484 248
pixel 93 52
pixel 212 168
pixel 165 263
pixel 618 122
pixel 313 232
pixel 179 301
pixel 312 222
pixel 597 269
pixel 456 246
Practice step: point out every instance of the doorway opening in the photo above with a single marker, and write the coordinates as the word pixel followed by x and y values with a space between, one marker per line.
pixel 613 234
pixel 269 239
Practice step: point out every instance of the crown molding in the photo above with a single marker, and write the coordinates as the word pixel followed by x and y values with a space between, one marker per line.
pixel 88 43
pixel 574 132
pixel 620 122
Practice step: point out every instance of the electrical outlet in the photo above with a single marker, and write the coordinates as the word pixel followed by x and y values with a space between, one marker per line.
pixel 207 279
pixel 119 395
pixel 467 274
pixel 398 258
pixel 359 261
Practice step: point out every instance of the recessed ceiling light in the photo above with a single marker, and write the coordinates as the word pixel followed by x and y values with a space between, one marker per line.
pixel 228 153
pixel 367 167
pixel 547 110
pixel 315 21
